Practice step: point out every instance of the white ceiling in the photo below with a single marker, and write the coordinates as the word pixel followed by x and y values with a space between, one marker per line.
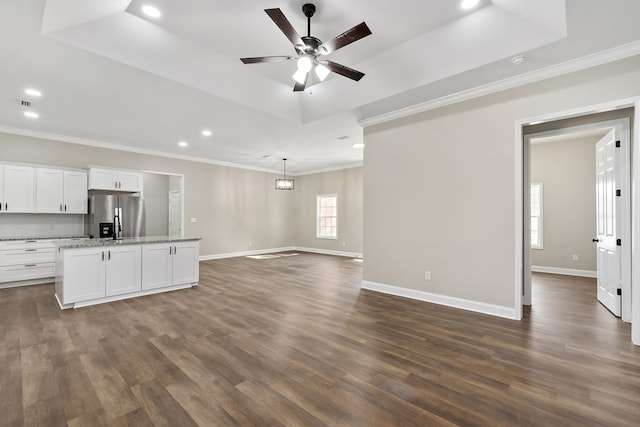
pixel 111 76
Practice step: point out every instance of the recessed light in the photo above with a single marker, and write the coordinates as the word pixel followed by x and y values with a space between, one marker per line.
pixel 517 60
pixel 468 4
pixel 31 114
pixel 358 145
pixel 151 11
pixel 206 132
pixel 33 92
pixel 183 143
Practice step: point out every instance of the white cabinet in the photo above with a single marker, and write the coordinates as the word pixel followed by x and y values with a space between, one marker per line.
pixel 123 273
pixel 18 189
pixel 26 260
pixel 61 191
pixel 169 264
pixel 84 275
pixel 113 179
pixel 95 273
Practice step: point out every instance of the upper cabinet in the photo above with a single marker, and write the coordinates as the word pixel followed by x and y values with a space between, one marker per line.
pixel 17 189
pixel 61 191
pixel 113 179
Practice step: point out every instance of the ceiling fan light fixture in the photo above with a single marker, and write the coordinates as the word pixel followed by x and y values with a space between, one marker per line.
pixel 300 76
pixel 305 63
pixel 468 4
pixel 322 72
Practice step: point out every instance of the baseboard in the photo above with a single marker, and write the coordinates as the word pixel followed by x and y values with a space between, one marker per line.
pixel 329 252
pixel 463 304
pixel 246 253
pixel 285 249
pixel 564 271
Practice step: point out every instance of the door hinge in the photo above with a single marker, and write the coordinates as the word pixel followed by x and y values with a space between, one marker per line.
pixel 619 291
pixel 618 193
pixel 617 144
pixel 619 242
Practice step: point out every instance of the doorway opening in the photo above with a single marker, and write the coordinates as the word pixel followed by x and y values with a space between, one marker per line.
pixel 594 122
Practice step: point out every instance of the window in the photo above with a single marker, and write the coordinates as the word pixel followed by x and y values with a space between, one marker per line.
pixel 327 217
pixel 536 215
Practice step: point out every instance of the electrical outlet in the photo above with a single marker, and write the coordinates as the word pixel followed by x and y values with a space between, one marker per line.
pixel 193 220
pixel 575 258
pixel 427 275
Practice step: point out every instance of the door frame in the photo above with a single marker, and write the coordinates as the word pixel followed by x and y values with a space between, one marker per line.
pixel 522 258
pixel 623 220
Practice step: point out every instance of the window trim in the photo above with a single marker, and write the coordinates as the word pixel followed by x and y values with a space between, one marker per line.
pixel 319 198
pixel 540 244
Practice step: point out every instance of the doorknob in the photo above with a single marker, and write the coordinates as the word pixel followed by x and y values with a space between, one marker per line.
pixel 595 240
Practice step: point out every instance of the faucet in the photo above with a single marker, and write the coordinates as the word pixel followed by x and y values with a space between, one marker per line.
pixel 117 227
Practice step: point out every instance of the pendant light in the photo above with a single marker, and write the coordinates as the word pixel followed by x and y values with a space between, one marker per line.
pixel 284 183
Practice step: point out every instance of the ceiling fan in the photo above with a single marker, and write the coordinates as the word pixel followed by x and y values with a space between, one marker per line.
pixel 310 49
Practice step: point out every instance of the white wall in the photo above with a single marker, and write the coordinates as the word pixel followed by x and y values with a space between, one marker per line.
pixel 450 206
pixel 347 184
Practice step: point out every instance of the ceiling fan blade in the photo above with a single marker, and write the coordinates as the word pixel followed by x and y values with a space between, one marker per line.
pixel 353 35
pixel 261 59
pixel 299 87
pixel 285 26
pixel 344 71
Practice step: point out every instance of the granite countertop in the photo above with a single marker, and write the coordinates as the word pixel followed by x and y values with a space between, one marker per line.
pixel 13 238
pixel 90 243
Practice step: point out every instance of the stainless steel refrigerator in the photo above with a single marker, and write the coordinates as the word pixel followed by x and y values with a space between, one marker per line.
pixel 115 216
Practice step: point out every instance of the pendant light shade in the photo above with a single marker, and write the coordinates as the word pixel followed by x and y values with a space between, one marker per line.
pixel 284 183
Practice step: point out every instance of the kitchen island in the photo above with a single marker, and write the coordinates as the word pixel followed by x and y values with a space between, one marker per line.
pixel 96 271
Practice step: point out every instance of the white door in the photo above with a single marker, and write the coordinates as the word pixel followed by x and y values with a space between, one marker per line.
pixel 19 189
pixel 75 192
pixel 49 186
pixel 123 269
pixel 157 266
pixel 608 257
pixel 175 214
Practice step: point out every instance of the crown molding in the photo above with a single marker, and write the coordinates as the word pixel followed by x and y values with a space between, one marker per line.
pixel 578 64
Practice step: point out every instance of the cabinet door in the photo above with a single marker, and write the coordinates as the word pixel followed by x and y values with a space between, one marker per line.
pixel 84 274
pixel 75 192
pixel 156 266
pixel 19 189
pixel 123 269
pixel 49 190
pixel 102 179
pixel 185 262
pixel 129 181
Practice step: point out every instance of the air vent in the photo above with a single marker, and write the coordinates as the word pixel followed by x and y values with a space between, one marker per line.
pixel 343 137
pixel 25 103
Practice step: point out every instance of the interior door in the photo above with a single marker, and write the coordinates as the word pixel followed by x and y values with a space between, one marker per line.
pixel 608 257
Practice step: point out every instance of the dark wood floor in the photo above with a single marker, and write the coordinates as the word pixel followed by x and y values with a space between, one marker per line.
pixel 294 341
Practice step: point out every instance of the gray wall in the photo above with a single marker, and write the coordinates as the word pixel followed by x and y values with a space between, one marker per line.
pixel 569 202
pixel 347 184
pixel 450 206
pixel 156 202
pixel 235 209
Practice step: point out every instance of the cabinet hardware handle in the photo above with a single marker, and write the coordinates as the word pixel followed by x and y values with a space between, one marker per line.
pixel 103 255
pixel 108 255
pixel 169 250
pixel 30 241
pixel 30 250
pixel 29 265
pixel 65 208
pixel 60 207
pixel 6 206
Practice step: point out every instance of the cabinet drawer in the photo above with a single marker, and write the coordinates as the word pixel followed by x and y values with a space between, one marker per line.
pixel 27 272
pixel 26 244
pixel 26 256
